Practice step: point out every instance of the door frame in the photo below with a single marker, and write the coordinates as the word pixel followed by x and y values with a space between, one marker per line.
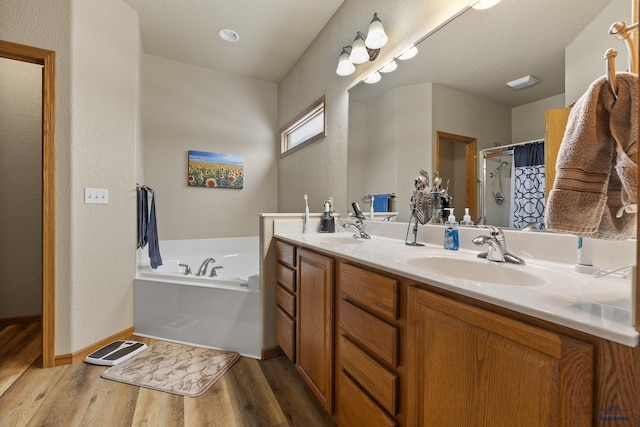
pixel 471 160
pixel 47 59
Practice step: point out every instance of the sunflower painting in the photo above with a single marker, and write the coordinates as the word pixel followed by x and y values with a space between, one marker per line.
pixel 215 170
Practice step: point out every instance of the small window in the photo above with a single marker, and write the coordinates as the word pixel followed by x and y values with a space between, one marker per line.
pixel 307 127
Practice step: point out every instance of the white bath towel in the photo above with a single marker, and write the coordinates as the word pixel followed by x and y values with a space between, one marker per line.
pixel 594 193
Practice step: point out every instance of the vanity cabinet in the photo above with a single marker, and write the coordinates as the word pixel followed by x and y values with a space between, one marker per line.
pixel 368 330
pixel 480 368
pixel 314 323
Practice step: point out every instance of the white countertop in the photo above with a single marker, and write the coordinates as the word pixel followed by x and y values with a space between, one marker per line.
pixel 600 307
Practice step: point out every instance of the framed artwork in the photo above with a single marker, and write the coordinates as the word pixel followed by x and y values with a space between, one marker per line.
pixel 215 170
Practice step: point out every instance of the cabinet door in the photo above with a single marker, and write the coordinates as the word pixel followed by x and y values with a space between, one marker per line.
pixel 555 123
pixel 314 341
pixel 469 366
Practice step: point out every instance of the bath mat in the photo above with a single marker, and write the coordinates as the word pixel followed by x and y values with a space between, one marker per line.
pixel 174 368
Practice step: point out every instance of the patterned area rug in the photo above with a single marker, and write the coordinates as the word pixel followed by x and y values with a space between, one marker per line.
pixel 174 368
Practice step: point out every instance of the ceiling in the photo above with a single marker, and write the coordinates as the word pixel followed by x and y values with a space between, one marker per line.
pixel 479 51
pixel 273 33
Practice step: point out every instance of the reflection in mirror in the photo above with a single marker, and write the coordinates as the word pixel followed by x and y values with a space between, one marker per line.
pixel 456 85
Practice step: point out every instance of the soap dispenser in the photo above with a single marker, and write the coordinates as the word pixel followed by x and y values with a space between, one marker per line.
pixel 451 240
pixel 327 223
pixel 466 219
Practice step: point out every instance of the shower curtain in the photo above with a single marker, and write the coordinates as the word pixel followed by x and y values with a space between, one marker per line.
pixel 527 185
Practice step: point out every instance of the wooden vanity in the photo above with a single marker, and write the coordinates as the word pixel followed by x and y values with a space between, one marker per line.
pixel 379 349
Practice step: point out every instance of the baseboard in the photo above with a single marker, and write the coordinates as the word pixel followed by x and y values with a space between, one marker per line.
pixel 20 320
pixel 66 359
pixel 270 352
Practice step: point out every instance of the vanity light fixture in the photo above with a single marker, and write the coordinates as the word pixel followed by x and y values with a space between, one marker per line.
pixel 373 78
pixel 345 66
pixel 409 53
pixel 228 35
pixel 376 37
pixel 364 48
pixel 523 82
pixel 484 4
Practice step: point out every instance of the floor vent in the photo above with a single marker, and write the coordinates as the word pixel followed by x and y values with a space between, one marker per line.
pixel 116 352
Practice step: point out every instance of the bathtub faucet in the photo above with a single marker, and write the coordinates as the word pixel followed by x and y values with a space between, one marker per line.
pixel 214 270
pixel 203 267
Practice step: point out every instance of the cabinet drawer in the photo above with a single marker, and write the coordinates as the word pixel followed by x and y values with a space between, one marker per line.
pixel 286 277
pixel 355 408
pixel 374 334
pixel 286 301
pixel 286 333
pixel 286 253
pixel 379 382
pixel 376 292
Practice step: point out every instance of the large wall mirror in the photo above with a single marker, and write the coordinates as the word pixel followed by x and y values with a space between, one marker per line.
pixel 427 113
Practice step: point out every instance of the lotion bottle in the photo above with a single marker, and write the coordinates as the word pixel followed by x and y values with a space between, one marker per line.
pixel 451 240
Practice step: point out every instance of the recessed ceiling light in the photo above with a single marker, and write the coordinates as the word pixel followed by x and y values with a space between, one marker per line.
pixel 228 35
pixel 523 82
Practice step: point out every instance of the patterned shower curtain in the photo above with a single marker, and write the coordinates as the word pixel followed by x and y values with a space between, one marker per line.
pixel 527 185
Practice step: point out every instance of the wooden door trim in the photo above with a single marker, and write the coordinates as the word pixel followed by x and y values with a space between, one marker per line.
pixel 471 160
pixel 47 59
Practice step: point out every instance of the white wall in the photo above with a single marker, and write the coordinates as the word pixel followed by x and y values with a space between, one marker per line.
pixel 527 120
pixel 584 56
pixel 184 108
pixel 95 147
pixel 320 169
pixel 20 189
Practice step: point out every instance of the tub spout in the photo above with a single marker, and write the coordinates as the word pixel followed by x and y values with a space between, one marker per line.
pixel 203 267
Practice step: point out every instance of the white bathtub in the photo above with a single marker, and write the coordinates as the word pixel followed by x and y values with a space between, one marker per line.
pixel 221 312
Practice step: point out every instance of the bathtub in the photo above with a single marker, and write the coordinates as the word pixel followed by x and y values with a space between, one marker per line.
pixel 222 312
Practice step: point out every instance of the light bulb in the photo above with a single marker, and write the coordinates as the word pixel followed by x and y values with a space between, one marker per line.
pixel 359 54
pixel 376 37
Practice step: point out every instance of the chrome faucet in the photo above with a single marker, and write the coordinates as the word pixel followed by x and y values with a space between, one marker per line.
pixel 497 246
pixel 358 224
pixel 214 270
pixel 187 269
pixel 203 267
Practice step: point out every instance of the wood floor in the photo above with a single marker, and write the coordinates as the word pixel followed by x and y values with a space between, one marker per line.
pixel 251 393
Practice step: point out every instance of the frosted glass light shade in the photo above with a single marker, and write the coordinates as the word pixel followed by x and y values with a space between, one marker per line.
pixel 409 53
pixel 391 66
pixel 373 78
pixel 359 54
pixel 376 37
pixel 345 66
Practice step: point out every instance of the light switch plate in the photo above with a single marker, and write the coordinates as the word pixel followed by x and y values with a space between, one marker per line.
pixel 96 195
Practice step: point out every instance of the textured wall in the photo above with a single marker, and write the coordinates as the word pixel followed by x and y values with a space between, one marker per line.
pixel 184 108
pixel 105 56
pixel 320 170
pixel 20 188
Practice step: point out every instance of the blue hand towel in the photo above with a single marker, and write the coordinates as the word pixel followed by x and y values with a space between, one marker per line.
pixel 152 235
pixel 143 216
pixel 381 202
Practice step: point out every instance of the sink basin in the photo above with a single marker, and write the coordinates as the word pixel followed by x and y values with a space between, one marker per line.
pixel 477 270
pixel 335 238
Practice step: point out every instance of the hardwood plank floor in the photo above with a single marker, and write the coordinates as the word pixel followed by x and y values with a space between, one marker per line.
pixel 252 393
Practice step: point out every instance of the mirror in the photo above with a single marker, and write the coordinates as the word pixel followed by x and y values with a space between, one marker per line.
pixel 456 85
